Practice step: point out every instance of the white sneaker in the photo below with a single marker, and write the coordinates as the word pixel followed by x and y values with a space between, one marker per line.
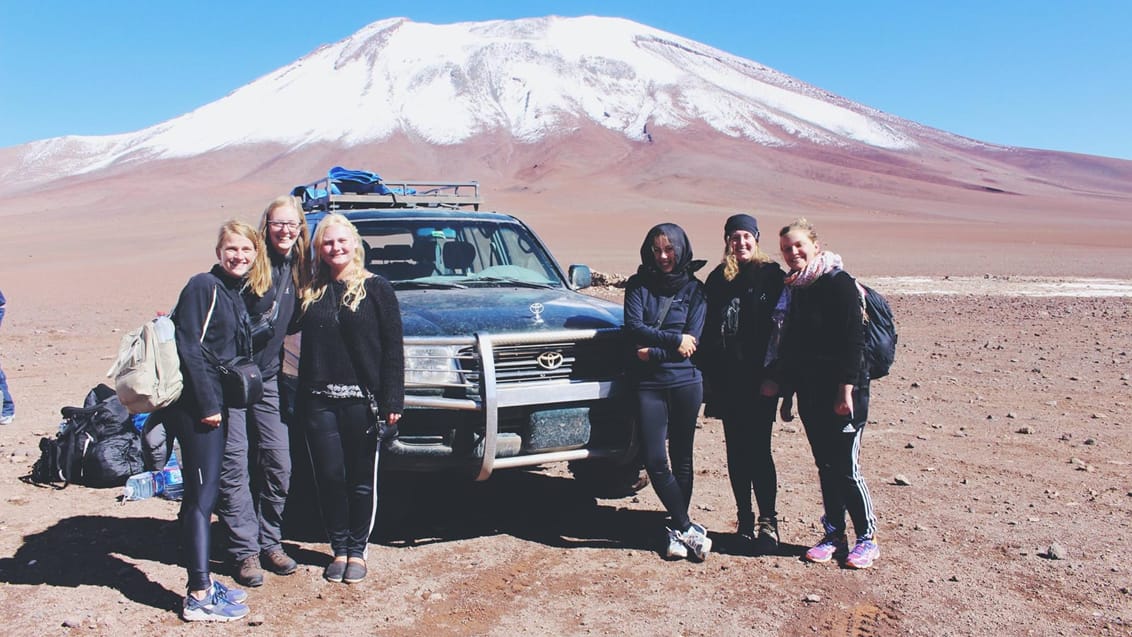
pixel 697 541
pixel 676 548
pixel 6 420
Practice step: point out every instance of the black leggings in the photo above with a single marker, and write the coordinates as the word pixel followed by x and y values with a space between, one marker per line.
pixel 343 448
pixel 836 444
pixel 748 420
pixel 202 452
pixel 670 413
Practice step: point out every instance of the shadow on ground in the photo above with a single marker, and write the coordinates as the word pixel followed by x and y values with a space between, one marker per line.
pixel 86 550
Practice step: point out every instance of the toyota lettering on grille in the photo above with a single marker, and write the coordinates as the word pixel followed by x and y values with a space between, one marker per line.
pixel 550 360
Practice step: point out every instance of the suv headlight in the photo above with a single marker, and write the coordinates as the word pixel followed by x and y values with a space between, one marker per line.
pixel 431 365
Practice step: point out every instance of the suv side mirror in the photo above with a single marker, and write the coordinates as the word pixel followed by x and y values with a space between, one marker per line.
pixel 580 276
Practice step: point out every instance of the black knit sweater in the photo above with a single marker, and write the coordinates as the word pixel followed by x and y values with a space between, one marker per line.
pixel 343 351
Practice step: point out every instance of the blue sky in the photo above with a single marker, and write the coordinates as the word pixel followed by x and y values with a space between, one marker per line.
pixel 1049 74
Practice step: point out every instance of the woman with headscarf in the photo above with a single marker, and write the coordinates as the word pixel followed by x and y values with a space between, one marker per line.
pixel 664 315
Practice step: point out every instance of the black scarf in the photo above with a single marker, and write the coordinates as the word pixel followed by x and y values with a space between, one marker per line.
pixel 668 283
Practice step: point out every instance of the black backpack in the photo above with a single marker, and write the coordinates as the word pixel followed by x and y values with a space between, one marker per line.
pixel 880 333
pixel 97 445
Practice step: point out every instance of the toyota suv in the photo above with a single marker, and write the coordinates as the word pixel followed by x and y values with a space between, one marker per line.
pixel 507 365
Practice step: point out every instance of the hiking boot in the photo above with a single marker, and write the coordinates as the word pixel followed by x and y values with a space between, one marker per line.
pixel 215 607
pixel 248 572
pixel 335 571
pixel 767 541
pixel 355 572
pixel 697 541
pixel 231 594
pixel 863 554
pixel 824 551
pixel 745 528
pixel 278 562
pixel 676 549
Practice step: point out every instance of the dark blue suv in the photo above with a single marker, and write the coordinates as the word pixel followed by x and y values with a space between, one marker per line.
pixel 506 363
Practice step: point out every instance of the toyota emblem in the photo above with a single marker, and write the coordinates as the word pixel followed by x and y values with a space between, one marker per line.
pixel 536 309
pixel 550 360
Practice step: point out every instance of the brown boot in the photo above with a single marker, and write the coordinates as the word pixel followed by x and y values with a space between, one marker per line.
pixel 248 572
pixel 278 562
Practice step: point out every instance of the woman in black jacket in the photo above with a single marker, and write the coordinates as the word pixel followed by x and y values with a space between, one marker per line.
pixel 351 363
pixel 821 359
pixel 741 292
pixel 664 315
pixel 209 314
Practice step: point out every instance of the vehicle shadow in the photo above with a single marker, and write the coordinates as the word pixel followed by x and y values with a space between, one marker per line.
pixel 85 550
pixel 425 508
pixel 551 510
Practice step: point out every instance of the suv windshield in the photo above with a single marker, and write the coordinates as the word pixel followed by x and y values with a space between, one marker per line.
pixel 455 252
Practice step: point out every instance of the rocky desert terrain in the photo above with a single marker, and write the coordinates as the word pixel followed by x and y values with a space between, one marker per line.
pixel 998 458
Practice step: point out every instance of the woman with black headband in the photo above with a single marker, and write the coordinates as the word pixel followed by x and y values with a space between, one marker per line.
pixel 741 292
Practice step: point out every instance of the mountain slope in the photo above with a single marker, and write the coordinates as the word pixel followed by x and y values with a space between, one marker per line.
pixel 579 123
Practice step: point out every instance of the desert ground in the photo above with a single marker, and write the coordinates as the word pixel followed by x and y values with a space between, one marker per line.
pixel 997 454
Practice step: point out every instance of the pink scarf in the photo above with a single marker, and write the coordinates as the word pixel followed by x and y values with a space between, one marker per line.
pixel 823 263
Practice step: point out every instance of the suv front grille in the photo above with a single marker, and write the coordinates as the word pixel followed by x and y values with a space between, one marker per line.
pixel 586 360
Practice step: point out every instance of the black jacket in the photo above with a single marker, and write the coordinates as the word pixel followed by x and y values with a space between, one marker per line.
pixel 824 336
pixel 665 367
pixel 754 290
pixel 208 303
pixel 282 289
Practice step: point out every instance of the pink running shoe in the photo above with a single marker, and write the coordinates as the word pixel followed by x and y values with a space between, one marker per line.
pixel 830 544
pixel 863 554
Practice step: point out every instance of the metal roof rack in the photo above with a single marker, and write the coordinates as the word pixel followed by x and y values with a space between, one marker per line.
pixel 325 194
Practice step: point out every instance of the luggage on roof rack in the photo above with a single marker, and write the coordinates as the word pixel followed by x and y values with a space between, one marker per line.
pixel 329 193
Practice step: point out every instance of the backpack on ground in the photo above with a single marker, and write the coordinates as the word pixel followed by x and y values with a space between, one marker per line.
pixel 147 374
pixel 97 445
pixel 880 332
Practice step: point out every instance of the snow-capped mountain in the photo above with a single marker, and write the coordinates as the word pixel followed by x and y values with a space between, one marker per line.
pixel 533 78
pixel 534 83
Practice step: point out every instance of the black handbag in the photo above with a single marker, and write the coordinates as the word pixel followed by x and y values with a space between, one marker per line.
pixel 240 377
pixel 241 380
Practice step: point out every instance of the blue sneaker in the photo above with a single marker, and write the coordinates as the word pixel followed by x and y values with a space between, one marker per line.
pixel 864 553
pixel 215 607
pixel 231 594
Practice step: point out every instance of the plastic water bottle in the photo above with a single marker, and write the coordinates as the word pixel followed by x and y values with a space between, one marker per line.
pixel 144 485
pixel 174 481
pixel 167 483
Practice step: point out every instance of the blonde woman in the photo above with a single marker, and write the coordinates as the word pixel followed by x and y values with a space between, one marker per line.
pixel 352 355
pixel 210 314
pixel 256 474
pixel 741 292
pixel 821 358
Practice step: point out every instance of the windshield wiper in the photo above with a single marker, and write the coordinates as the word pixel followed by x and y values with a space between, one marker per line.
pixel 510 281
pixel 430 285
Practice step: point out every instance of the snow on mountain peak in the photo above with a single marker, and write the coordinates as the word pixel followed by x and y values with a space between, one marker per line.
pixel 534 78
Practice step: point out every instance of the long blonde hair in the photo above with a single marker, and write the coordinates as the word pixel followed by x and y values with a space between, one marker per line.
pixel 356 273
pixel 731 264
pixel 259 279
